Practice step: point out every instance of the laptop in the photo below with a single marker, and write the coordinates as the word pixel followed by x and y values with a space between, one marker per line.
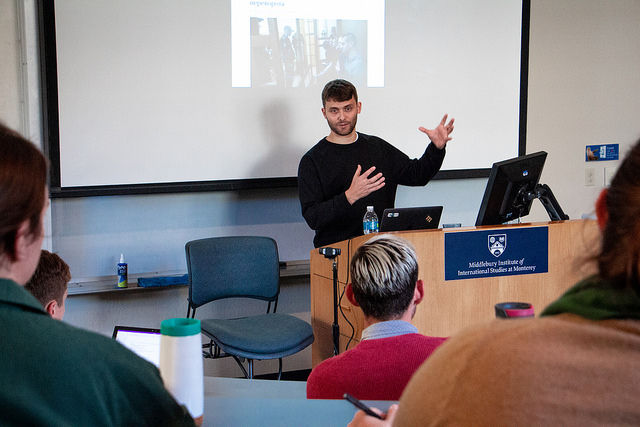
pixel 145 342
pixel 402 219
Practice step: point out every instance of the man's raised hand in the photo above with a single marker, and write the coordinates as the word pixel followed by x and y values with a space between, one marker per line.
pixel 441 134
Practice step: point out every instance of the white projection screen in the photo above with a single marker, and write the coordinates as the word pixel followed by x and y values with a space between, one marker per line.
pixel 191 95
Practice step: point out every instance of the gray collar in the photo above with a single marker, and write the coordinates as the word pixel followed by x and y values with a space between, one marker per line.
pixel 390 328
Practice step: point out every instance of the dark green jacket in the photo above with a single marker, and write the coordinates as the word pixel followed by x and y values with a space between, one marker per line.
pixel 54 374
pixel 595 298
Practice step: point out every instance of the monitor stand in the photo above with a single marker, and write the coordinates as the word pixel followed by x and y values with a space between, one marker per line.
pixel 543 193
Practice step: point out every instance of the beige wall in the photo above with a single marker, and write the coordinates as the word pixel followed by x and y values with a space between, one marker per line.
pixel 10 77
pixel 584 86
pixel 584 81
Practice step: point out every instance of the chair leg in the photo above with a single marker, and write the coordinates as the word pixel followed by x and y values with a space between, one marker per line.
pixel 279 368
pixel 250 369
pixel 207 354
pixel 244 371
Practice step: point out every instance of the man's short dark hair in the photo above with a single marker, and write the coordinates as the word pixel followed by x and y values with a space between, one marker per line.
pixel 50 279
pixel 384 272
pixel 339 90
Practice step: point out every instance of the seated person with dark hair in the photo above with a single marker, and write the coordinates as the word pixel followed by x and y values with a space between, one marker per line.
pixel 53 374
pixel 49 283
pixel 385 286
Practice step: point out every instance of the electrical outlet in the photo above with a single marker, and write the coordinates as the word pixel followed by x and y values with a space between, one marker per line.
pixel 589 177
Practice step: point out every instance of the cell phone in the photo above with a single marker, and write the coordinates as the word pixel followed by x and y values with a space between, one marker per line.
pixel 358 404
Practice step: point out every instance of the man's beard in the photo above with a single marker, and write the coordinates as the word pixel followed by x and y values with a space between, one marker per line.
pixel 335 129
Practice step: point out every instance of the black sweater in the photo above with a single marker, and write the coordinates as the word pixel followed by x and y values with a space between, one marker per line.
pixel 325 173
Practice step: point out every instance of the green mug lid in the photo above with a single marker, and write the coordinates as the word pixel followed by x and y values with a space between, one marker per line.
pixel 180 327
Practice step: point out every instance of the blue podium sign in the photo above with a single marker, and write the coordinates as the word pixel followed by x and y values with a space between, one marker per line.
pixel 492 253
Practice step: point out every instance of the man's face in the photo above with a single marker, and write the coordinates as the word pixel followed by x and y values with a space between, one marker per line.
pixel 341 116
pixel 343 45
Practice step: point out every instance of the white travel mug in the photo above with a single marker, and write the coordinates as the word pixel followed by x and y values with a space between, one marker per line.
pixel 181 362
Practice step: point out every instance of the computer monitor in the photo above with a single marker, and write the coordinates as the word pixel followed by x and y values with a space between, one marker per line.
pixel 511 188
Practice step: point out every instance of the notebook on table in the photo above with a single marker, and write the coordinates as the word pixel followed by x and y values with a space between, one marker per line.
pixel 145 342
pixel 402 219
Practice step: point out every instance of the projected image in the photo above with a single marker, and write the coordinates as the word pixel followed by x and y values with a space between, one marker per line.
pixel 297 44
pixel 307 52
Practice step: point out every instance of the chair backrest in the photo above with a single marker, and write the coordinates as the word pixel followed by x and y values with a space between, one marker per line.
pixel 226 267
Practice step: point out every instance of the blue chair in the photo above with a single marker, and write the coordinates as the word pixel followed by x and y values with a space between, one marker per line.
pixel 243 267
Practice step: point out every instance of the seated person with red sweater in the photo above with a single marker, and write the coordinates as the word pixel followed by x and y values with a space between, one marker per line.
pixel 385 285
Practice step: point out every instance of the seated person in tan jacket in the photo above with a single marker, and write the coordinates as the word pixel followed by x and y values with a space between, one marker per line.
pixel 578 364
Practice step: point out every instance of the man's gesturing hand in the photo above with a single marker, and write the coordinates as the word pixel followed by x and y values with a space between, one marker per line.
pixel 362 185
pixel 441 134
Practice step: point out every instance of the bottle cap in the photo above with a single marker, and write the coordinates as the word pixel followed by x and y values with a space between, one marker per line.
pixel 180 327
pixel 369 208
pixel 121 258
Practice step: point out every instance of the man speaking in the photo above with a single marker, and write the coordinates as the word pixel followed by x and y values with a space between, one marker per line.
pixel 347 171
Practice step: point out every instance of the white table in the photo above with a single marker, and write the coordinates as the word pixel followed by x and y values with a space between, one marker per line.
pixel 240 402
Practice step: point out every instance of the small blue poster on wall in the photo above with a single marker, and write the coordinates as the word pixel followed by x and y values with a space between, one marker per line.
pixel 493 253
pixel 599 153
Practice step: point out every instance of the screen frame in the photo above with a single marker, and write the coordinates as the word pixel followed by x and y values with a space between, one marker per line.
pixel 51 131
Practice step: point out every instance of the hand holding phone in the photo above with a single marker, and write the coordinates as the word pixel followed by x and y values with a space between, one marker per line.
pixel 358 404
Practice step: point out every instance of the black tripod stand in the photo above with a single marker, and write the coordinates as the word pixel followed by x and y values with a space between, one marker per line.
pixel 332 254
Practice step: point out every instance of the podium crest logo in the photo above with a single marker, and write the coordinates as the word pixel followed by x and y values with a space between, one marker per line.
pixel 497 244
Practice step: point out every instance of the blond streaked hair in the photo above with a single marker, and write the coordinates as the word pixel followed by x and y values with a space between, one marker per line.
pixel 384 272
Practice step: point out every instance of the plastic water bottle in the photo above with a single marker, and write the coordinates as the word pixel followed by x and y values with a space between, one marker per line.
pixel 181 366
pixel 370 221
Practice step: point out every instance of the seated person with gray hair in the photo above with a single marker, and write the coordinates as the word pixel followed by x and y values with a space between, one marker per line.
pixel 385 285
pixel 49 283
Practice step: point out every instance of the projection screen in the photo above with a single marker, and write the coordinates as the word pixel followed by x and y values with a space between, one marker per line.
pixel 190 95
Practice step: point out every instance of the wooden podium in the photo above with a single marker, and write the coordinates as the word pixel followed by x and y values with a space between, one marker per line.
pixel 450 306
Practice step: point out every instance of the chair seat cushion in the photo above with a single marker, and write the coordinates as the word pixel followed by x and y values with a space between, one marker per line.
pixel 266 336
